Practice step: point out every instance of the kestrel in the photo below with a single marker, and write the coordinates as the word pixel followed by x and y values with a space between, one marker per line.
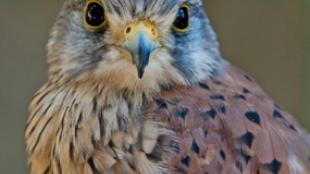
pixel 140 87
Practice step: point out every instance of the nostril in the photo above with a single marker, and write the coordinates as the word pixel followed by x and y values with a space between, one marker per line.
pixel 128 30
pixel 153 31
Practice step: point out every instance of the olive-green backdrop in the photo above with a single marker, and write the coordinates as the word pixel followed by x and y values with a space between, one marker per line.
pixel 267 38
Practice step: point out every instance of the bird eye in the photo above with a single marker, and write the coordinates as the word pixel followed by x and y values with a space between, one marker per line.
pixel 181 22
pixel 94 15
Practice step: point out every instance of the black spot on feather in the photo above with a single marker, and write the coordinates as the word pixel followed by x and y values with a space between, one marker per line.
pixel 204 86
pixel 223 155
pixel 223 109
pixel 186 160
pixel 292 127
pixel 277 114
pixel 247 139
pixel 274 166
pixel 240 97
pixel 217 97
pixel 245 91
pixel 209 113
pixel 253 117
pixel 161 104
pixel 181 113
pixel 195 148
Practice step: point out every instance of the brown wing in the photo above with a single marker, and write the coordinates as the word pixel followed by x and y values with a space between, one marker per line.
pixel 229 125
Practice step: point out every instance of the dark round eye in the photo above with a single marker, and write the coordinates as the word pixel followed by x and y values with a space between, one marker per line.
pixel 94 15
pixel 181 22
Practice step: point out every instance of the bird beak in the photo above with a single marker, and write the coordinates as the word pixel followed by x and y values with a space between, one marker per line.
pixel 140 42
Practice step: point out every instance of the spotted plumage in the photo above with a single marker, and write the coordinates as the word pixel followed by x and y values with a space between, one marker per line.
pixel 130 92
pixel 253 136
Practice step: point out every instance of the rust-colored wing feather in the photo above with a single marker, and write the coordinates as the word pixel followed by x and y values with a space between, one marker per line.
pixel 229 125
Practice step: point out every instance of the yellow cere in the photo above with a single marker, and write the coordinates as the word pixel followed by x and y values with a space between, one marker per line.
pixel 133 28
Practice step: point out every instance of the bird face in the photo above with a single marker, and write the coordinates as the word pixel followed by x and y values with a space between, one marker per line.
pixel 133 43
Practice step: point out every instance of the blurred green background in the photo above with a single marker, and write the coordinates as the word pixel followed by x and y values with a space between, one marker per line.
pixel 268 38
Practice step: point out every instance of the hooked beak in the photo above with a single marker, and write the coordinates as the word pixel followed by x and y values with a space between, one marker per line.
pixel 140 42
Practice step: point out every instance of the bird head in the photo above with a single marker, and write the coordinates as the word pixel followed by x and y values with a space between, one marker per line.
pixel 132 44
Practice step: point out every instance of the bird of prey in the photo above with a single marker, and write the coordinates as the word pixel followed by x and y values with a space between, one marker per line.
pixel 140 87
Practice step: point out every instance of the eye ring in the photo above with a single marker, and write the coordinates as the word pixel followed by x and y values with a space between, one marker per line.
pixel 182 22
pixel 94 15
